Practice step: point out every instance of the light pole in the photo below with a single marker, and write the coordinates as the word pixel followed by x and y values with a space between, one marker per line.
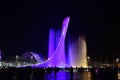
pixel 31 59
pixel 117 60
pixel 16 57
pixel 88 60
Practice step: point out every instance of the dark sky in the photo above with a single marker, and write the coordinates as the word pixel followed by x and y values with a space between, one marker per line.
pixel 24 25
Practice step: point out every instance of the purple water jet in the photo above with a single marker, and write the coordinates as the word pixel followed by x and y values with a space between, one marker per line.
pixel 77 51
pixel 58 57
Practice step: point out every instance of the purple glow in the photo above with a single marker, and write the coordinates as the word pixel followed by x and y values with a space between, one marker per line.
pixel 65 76
pixel 76 50
pixel 33 55
pixel 61 51
pixel 37 57
pixel 0 54
pixel 56 50
pixel 78 53
pixel 70 54
pixel 58 56
pixel 53 42
pixel 51 45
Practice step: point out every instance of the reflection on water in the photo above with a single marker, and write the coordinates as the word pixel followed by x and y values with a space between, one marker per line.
pixel 52 74
pixel 118 75
pixel 87 76
pixel 82 76
pixel 66 76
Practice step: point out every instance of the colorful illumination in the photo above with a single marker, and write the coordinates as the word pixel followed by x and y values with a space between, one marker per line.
pixel 0 55
pixel 51 45
pixel 77 52
pixel 58 56
pixel 53 42
pixel 37 57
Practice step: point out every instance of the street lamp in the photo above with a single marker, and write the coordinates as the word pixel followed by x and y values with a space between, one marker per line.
pixel 88 58
pixel 16 57
pixel 31 59
pixel 117 60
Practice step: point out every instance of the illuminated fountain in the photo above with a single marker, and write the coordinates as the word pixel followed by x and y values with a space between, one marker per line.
pixel 76 56
pixel 56 50
pixel 53 42
pixel 57 57
pixel 77 53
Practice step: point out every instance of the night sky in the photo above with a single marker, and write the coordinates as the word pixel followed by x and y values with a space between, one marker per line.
pixel 24 25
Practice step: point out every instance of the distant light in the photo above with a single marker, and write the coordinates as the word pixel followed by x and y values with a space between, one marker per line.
pixel 31 57
pixel 16 56
pixel 88 57
pixel 117 60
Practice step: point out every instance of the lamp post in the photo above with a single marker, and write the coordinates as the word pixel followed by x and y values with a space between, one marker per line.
pixel 88 60
pixel 117 60
pixel 16 57
pixel 31 59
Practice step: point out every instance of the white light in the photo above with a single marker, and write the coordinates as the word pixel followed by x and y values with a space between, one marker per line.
pixel 16 56
pixel 88 57
pixel 117 60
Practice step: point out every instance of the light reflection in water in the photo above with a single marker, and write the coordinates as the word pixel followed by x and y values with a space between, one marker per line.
pixel 80 76
pixel 118 75
pixel 66 76
pixel 61 75
pixel 87 75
